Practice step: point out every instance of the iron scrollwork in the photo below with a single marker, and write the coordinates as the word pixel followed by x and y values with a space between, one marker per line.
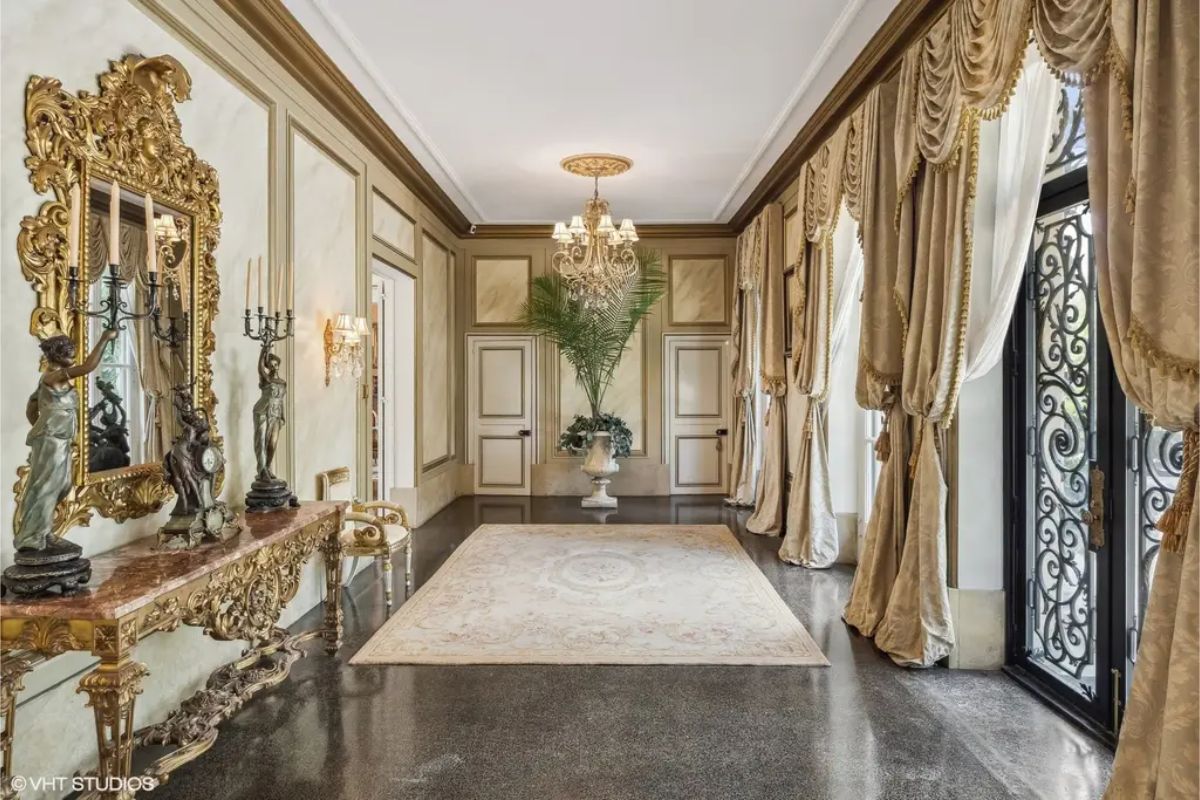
pixel 1063 575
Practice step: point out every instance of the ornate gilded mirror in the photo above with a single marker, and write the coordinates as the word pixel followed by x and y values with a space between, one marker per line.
pixel 167 226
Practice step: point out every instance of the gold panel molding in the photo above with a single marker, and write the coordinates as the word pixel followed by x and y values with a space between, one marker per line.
pixel 686 304
pixel 128 132
pixel 507 312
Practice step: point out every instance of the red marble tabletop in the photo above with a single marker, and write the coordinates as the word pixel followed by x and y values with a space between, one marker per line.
pixel 132 576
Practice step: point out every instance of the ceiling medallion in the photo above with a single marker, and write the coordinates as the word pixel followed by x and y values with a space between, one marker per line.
pixel 595 257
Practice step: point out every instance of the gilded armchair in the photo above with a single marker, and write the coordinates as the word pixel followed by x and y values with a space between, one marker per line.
pixel 374 529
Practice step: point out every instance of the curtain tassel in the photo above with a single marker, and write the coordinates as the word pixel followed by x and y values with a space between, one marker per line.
pixel 916 451
pixel 1174 521
pixel 883 447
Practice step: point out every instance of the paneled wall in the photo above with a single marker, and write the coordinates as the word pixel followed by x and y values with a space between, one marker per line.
pixel 700 275
pixel 296 186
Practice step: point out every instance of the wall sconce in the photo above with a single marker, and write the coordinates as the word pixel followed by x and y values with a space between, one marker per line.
pixel 344 350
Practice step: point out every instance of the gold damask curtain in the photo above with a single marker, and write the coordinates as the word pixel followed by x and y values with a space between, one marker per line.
pixel 744 362
pixel 880 361
pixel 1144 183
pixel 768 499
pixel 811 539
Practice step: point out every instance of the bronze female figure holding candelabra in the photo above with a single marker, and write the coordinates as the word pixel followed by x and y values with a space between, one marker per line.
pixel 268 492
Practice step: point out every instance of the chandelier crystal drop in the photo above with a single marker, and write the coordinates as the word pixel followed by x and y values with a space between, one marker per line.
pixel 595 257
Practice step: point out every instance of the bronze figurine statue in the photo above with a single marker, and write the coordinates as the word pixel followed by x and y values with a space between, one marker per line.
pixel 191 467
pixel 268 492
pixel 43 561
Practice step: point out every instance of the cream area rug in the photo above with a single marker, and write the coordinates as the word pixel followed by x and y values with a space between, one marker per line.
pixel 595 594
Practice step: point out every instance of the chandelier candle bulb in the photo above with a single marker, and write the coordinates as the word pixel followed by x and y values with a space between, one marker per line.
pixel 249 269
pixel 259 279
pixel 114 225
pixel 73 227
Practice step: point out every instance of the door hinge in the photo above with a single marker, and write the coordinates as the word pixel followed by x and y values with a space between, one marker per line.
pixel 1133 454
pixel 1031 441
pixel 1030 590
pixel 1030 286
pixel 1132 642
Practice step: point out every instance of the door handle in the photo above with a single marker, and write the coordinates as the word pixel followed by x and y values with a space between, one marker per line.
pixel 722 431
pixel 524 432
pixel 1093 517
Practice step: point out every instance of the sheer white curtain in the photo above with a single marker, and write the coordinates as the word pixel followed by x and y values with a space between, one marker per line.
pixel 847 276
pixel 1012 158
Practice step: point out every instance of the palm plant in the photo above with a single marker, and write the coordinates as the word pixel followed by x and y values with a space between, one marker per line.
pixel 593 340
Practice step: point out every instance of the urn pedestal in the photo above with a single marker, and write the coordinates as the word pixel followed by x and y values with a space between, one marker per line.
pixel 599 464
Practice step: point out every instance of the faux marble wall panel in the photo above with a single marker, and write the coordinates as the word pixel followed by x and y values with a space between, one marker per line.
pixel 697 290
pixel 389 224
pixel 501 289
pixel 435 336
pixel 324 251
pixel 625 396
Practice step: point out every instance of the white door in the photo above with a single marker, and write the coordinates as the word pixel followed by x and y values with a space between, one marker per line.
pixel 696 378
pixel 500 412
pixel 393 380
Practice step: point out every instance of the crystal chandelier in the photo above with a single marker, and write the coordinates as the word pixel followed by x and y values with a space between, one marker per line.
pixel 595 257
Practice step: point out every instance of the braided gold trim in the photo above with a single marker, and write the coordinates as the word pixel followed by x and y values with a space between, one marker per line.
pixel 1144 345
pixel 964 307
pixel 890 380
pixel 827 246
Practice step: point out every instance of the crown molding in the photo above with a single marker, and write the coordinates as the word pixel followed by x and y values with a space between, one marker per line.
pixel 274 28
pixel 909 20
pixel 684 230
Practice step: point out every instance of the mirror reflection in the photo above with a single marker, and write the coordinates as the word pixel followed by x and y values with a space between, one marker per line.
pixel 130 418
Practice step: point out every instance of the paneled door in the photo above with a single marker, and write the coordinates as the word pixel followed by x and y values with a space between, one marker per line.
pixel 500 412
pixel 696 412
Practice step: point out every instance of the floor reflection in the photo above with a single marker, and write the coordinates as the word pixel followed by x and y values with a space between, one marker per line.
pixel 858 730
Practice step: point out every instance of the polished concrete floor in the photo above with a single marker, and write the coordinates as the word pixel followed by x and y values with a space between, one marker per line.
pixel 858 730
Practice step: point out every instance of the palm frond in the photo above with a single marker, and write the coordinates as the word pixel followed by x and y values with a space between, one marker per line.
pixel 593 340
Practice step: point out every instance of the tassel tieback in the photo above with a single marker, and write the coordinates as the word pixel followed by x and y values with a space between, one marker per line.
pixel 1174 521
pixel 883 447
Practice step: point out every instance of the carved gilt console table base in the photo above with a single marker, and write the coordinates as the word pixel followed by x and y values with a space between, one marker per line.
pixel 233 590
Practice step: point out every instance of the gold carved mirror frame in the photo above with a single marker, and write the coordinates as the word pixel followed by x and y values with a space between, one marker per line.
pixel 129 132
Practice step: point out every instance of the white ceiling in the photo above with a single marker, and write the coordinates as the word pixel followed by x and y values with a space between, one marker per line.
pixel 490 96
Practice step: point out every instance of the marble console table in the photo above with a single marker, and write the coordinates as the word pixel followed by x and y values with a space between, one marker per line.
pixel 234 590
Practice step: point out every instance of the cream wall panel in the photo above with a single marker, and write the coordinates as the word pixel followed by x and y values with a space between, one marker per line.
pixel 501 458
pixel 391 225
pixel 501 289
pixel 324 252
pixel 698 290
pixel 436 333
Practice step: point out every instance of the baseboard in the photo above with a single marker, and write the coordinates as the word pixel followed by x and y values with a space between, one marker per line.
pixel 978 616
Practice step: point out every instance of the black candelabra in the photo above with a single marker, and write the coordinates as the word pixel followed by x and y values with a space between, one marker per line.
pixel 175 332
pixel 268 492
pixel 114 308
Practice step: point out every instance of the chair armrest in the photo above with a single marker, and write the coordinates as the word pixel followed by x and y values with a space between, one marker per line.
pixel 394 514
pixel 367 530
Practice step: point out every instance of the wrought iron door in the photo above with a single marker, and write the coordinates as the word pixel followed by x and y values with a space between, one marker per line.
pixel 1087 475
